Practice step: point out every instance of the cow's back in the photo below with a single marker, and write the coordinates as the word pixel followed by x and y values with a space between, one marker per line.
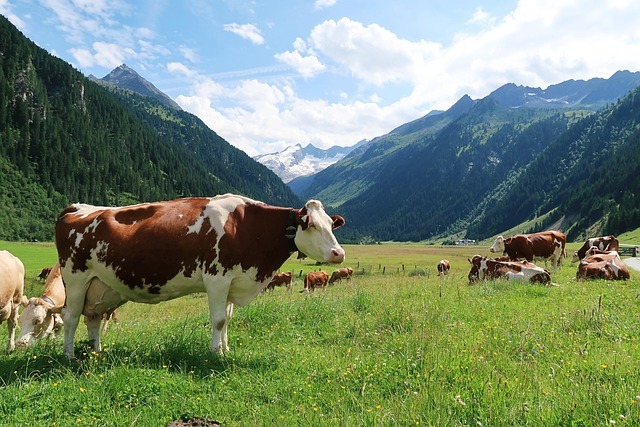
pixel 11 283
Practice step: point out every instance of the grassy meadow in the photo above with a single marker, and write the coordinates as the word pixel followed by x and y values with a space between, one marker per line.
pixel 397 346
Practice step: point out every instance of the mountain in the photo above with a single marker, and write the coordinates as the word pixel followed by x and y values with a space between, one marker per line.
pixel 66 139
pixel 297 161
pixel 480 167
pixel 124 77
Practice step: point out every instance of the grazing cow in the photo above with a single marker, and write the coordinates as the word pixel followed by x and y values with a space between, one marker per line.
pixel 486 268
pixel 443 267
pixel 228 246
pixel 341 273
pixel 608 243
pixel 45 272
pixel 11 293
pixel 41 316
pixel 280 279
pixel 600 264
pixel 545 244
pixel 315 279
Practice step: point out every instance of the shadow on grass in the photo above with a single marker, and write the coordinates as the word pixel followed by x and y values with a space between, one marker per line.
pixel 45 360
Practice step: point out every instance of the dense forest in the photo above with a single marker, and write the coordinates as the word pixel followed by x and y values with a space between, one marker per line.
pixel 65 139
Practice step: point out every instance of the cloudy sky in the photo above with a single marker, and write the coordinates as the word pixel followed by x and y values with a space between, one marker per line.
pixel 268 74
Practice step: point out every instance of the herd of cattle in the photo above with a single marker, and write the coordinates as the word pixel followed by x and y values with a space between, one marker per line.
pixel 231 248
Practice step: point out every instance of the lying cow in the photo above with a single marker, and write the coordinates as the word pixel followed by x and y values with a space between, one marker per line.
pixel 483 268
pixel 280 279
pixel 599 264
pixel 11 293
pixel 41 316
pixel 608 243
pixel 228 246
pixel 545 244
pixel 443 267
pixel 315 279
pixel 341 273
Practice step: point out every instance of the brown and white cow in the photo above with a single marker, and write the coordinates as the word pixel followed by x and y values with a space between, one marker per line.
pixel 11 293
pixel 483 268
pixel 341 273
pixel 228 246
pixel 280 279
pixel 608 269
pixel 41 315
pixel 545 244
pixel 607 243
pixel 315 279
pixel 444 266
pixel 601 264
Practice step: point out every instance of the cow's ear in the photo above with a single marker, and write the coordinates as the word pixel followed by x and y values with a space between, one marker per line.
pixel 470 262
pixel 302 218
pixel 338 221
pixel 24 301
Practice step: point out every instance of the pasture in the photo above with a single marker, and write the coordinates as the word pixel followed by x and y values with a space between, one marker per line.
pixel 396 346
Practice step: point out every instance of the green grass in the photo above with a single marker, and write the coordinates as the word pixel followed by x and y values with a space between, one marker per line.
pixel 388 349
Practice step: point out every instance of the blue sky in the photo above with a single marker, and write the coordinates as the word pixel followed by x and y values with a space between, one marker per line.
pixel 268 74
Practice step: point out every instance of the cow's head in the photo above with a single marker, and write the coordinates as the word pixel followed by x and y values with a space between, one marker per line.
pixel 476 267
pixel 314 235
pixel 37 320
pixel 498 245
pixel 575 257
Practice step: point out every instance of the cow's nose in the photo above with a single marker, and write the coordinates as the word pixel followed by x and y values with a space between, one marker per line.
pixel 337 255
pixel 492 250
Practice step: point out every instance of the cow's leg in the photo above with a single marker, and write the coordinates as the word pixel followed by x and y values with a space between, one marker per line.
pixel 76 292
pixel 12 321
pixel 217 294
pixel 223 334
pixel 93 330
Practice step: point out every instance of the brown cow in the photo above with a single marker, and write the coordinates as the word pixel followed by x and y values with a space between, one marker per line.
pixel 608 243
pixel 545 244
pixel 228 246
pixel 41 316
pixel 280 279
pixel 315 279
pixel 443 267
pixel 341 273
pixel 11 293
pixel 483 268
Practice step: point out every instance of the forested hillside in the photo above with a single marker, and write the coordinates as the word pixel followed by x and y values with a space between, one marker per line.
pixel 589 177
pixel 65 139
pixel 495 164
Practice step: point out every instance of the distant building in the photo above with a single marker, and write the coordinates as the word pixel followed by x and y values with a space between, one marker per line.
pixel 466 242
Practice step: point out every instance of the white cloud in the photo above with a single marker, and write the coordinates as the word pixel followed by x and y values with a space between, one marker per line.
pixel 106 55
pixel 246 31
pixel 179 68
pixel 321 4
pixel 371 53
pixel 307 66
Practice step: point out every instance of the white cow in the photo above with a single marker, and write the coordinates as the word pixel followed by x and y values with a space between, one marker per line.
pixel 11 293
pixel 41 316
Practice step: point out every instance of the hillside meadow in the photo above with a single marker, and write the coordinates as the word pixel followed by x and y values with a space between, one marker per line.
pixel 396 346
